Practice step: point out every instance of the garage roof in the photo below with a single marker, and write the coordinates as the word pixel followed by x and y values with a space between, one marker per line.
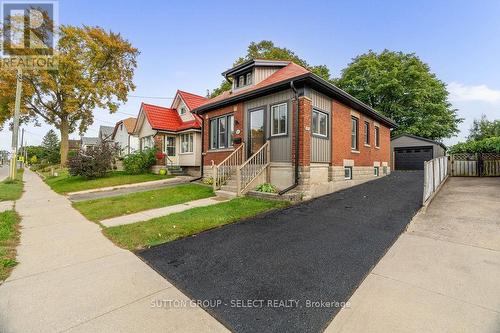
pixel 419 138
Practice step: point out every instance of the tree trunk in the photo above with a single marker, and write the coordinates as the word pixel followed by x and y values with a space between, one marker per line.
pixel 64 141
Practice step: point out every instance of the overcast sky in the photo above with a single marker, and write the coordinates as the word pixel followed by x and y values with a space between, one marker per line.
pixel 187 44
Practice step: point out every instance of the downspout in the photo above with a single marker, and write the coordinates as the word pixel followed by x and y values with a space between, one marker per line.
pixel 296 125
pixel 202 146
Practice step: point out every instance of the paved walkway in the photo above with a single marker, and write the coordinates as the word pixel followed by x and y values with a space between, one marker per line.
pixel 105 192
pixel 442 275
pixel 72 278
pixel 157 212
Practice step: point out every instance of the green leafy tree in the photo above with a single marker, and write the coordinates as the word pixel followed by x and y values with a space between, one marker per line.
pixel 267 50
pixel 51 145
pixel 483 129
pixel 402 87
pixel 95 71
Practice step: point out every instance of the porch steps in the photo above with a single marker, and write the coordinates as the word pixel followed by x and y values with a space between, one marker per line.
pixel 225 194
pixel 176 170
pixel 230 185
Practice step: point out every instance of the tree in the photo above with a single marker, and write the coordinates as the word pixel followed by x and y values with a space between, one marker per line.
pixel 403 88
pixel 51 145
pixel 267 50
pixel 483 129
pixel 95 70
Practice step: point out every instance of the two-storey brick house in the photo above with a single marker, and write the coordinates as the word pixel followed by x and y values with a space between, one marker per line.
pixel 282 124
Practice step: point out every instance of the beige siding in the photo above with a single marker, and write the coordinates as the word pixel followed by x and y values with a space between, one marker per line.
pixel 262 73
pixel 321 147
pixel 281 145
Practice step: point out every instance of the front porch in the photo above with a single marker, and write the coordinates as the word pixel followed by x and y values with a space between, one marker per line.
pixel 178 153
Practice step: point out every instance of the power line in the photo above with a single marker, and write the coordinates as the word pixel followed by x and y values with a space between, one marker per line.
pixel 151 97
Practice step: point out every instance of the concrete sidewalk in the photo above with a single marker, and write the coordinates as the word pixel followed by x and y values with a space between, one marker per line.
pixel 443 274
pixel 158 212
pixel 112 191
pixel 72 278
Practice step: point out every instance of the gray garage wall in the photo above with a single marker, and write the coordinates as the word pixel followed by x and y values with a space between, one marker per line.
pixel 407 141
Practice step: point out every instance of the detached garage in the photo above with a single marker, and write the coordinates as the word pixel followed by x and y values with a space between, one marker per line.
pixel 409 152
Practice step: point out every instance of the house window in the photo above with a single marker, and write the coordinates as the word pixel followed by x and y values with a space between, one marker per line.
pixel 221 129
pixel 147 142
pixel 187 143
pixel 243 80
pixel 183 110
pixel 279 116
pixel 170 145
pixel 348 172
pixel 376 171
pixel 377 136
pixel 354 133
pixel 367 133
pixel 319 123
pixel 384 170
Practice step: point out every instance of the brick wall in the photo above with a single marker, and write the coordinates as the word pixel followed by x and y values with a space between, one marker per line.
pixel 341 132
pixel 218 156
pixel 159 140
pixel 305 115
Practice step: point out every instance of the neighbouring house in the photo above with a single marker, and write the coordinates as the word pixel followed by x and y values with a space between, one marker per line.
pixel 74 145
pixel 175 131
pixel 409 152
pixel 282 124
pixel 87 142
pixel 105 133
pixel 123 136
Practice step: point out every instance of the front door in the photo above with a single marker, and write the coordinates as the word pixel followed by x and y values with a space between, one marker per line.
pixel 256 130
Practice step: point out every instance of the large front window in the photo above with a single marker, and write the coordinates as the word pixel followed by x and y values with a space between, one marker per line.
pixel 354 133
pixel 279 119
pixel 221 131
pixel 319 123
pixel 187 143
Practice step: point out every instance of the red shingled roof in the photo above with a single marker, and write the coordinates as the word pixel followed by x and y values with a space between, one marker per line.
pixel 166 119
pixel 289 71
pixel 192 101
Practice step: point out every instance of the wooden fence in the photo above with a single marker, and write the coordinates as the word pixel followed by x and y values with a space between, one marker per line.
pixel 475 165
pixel 435 173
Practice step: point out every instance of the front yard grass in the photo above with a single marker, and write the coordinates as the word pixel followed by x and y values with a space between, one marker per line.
pixel 9 237
pixel 168 228
pixel 64 183
pixel 100 209
pixel 12 189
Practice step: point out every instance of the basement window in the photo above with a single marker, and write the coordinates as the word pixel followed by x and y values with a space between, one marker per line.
pixel 348 172
pixel 376 171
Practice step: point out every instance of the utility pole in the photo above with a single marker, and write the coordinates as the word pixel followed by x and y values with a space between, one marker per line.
pixel 21 151
pixel 15 127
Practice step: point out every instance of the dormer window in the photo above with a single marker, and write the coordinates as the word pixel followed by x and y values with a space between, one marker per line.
pixel 183 110
pixel 243 80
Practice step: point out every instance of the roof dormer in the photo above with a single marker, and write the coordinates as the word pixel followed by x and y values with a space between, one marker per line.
pixel 251 72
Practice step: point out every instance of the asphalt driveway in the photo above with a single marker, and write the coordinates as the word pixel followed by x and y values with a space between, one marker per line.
pixel 287 271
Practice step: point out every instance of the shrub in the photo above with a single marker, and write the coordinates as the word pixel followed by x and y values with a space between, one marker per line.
pixel 93 162
pixel 208 181
pixel 267 188
pixel 140 162
pixel 488 145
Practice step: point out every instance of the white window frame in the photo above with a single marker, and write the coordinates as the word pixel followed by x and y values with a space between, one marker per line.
pixel 350 172
pixel 320 113
pixel 188 139
pixel 228 142
pixel 183 110
pixel 275 108
pixel 376 171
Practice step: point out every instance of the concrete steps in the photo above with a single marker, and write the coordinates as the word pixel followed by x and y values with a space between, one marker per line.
pixel 176 170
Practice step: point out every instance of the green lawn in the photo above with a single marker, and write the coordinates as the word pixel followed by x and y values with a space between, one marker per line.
pixel 100 209
pixel 64 183
pixel 168 228
pixel 9 237
pixel 12 190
